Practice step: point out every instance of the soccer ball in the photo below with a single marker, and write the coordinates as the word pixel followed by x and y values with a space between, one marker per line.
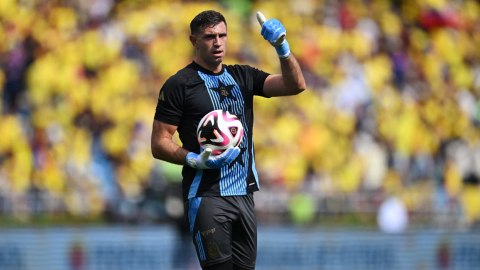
pixel 218 130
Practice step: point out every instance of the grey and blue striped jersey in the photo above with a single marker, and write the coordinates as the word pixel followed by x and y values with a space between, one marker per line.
pixel 192 93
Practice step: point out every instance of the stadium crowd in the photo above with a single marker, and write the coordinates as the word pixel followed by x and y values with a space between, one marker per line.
pixel 392 106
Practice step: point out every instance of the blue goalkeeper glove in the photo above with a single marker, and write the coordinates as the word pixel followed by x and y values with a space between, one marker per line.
pixel 208 161
pixel 274 32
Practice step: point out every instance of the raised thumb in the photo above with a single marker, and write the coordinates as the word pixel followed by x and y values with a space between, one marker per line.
pixel 261 19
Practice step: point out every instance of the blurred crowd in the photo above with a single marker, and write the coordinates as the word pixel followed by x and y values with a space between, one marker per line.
pixel 392 107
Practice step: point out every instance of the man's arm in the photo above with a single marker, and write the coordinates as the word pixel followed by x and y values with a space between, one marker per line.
pixel 162 144
pixel 165 149
pixel 290 82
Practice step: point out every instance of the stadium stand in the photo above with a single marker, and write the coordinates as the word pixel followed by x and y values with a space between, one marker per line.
pixel 392 107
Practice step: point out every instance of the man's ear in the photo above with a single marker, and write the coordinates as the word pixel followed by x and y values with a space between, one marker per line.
pixel 193 39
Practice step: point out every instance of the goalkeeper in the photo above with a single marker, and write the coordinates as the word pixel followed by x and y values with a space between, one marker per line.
pixel 218 190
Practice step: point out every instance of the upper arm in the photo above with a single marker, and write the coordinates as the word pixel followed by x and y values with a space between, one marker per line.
pixel 162 144
pixel 274 86
pixel 168 115
pixel 290 82
pixel 161 131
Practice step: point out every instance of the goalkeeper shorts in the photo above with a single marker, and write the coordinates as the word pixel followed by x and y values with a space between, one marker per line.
pixel 223 228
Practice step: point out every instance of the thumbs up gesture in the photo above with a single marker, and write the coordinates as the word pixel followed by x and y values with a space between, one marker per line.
pixel 274 32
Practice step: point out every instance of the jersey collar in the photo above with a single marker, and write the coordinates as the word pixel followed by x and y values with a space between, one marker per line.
pixel 206 71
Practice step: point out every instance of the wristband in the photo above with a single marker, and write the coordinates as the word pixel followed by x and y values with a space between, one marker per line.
pixel 283 50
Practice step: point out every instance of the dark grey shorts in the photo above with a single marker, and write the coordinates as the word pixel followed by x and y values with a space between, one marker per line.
pixel 223 228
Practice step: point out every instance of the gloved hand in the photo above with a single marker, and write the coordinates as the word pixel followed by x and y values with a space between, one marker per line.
pixel 207 161
pixel 274 32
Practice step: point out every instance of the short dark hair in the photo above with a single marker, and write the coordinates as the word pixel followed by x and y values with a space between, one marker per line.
pixel 206 19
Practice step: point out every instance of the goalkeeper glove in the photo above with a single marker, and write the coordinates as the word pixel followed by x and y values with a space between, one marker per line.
pixel 208 161
pixel 274 32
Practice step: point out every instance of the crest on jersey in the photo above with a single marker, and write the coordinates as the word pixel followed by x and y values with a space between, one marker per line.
pixel 213 250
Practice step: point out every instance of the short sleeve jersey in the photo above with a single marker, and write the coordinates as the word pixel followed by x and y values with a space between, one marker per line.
pixel 192 93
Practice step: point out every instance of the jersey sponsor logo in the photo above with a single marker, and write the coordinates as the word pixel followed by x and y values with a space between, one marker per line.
pixel 207 232
pixel 213 250
pixel 161 97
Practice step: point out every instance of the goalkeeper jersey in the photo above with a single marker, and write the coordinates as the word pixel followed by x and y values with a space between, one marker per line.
pixel 192 93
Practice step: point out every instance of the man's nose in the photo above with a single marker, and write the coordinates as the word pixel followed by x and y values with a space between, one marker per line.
pixel 217 41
